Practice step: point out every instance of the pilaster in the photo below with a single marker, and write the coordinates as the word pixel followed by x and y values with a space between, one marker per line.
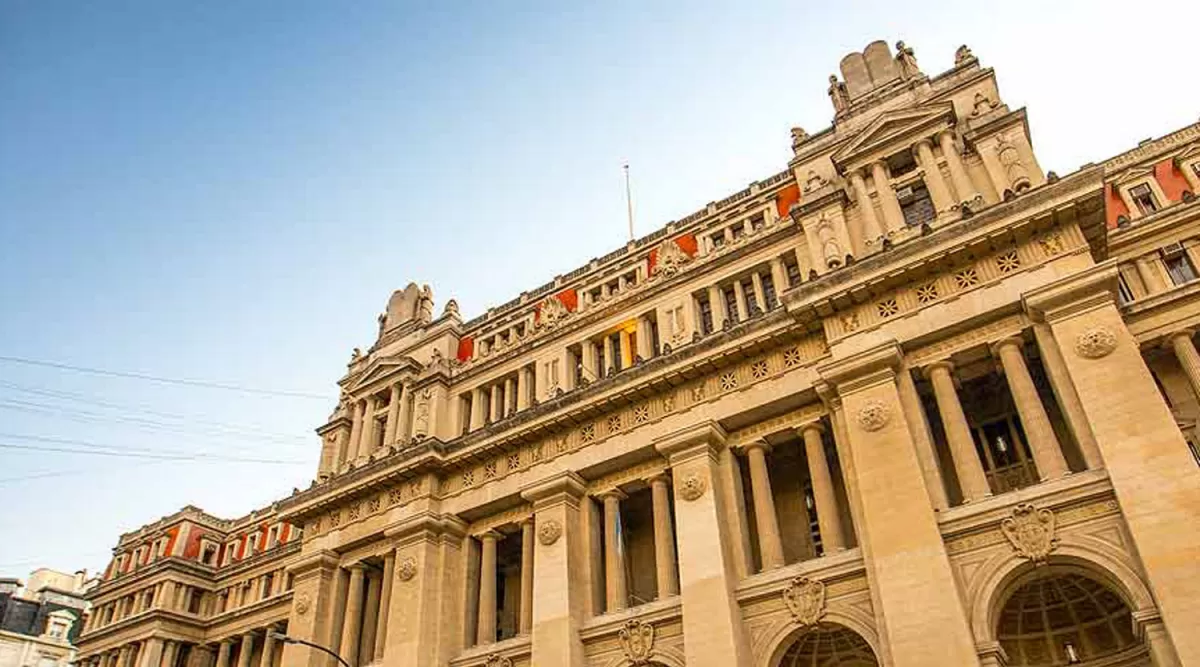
pixel 313 608
pixel 415 607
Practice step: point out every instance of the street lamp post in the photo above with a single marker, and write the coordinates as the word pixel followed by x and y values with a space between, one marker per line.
pixel 279 636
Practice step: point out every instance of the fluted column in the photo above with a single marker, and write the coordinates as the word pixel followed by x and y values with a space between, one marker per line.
pixel 893 217
pixel 171 653
pixel 1189 359
pixel 664 537
pixel 393 417
pixel 958 433
pixel 716 302
pixel 486 628
pixel 1068 397
pixel 958 173
pixel 739 294
pixel 760 296
pixel 616 589
pixel 778 278
pixel 510 391
pixel 524 387
pixel 151 653
pixel 770 544
pixel 866 210
pixel 352 624
pixel 478 409
pixel 645 338
pixel 352 451
pixel 223 651
pixel 247 650
pixel 829 520
pixel 497 404
pixel 268 651
pixel 367 445
pixel 526 621
pixel 934 182
pixel 1047 453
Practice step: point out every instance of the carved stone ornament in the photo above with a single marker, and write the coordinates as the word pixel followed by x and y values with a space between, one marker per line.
pixel 1031 532
pixel 497 660
pixel 637 641
pixel 551 312
pixel 873 416
pixel 421 422
pixel 1095 342
pixel 303 604
pixel 805 598
pixel 406 569
pixel 549 531
pixel 670 259
pixel 692 486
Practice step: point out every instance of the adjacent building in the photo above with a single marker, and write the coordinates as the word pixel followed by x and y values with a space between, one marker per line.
pixel 41 620
pixel 910 401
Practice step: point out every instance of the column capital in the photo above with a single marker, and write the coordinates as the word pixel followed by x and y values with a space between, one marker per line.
pixel 614 492
pixel 1169 339
pixel 489 534
pixel 924 141
pixel 941 364
pixel 660 477
pixel 1014 340
pixel 757 443
pixel 811 426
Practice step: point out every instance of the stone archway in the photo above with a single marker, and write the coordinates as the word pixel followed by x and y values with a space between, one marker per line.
pixel 1062 615
pixel 825 645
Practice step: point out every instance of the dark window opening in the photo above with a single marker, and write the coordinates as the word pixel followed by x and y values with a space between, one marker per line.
pixel 730 303
pixel 706 316
pixel 1143 198
pixel 916 205
pixel 769 296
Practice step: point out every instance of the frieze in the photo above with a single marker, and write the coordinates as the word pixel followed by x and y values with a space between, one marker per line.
pixel 985 333
pixel 791 420
pixel 512 516
pixel 1064 517
pixel 1183 136
pixel 635 473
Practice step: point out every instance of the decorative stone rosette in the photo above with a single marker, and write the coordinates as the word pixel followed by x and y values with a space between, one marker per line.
pixel 549 531
pixel 873 415
pixel 1096 342
pixel 692 486
pixel 303 604
pixel 406 569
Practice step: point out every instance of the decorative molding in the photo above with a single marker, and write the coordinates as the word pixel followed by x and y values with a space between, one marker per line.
pixel 406 569
pixel 303 603
pixel 1096 342
pixel 497 660
pixel 692 486
pixel 873 415
pixel 1031 532
pixel 637 641
pixel 805 598
pixel 549 531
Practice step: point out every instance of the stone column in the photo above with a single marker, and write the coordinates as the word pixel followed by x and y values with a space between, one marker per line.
pixel 366 643
pixel 1152 472
pixel 713 634
pixel 958 173
pixel 716 302
pixel 829 519
pixel 478 411
pixel 645 338
pixel 497 403
pixel 934 182
pixel 524 388
pixel 588 357
pixel 526 622
pixel 367 444
pixel 770 543
pixel 171 653
pixel 778 277
pixel 510 393
pixel 1047 453
pixel 268 651
pixel 561 587
pixel 151 653
pixel 385 602
pixel 224 649
pixel 626 353
pixel 352 625
pixel 487 589
pixel 971 477
pixel 1068 398
pixel 908 567
pixel 866 210
pixel 893 217
pixel 914 414
pixel 402 418
pixel 1150 275
pixel 617 591
pixel 760 296
pixel 666 575
pixel 1189 358
pixel 247 649
pixel 739 294
pixel 355 430
pixel 393 417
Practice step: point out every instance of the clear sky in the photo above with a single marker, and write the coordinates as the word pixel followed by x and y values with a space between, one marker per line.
pixel 230 191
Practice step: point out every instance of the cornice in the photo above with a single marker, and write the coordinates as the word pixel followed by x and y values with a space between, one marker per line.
pixel 1167 220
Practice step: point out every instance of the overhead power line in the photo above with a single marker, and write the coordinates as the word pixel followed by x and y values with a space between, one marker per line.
pixel 160 379
pixel 148 456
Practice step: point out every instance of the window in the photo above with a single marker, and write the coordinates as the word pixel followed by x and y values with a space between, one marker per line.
pixel 738 231
pixel 209 554
pixel 916 205
pixel 273 538
pixel 706 316
pixel 1178 266
pixel 769 297
pixel 901 164
pixel 751 296
pixel 730 302
pixel 193 601
pixel 268 580
pixel 757 222
pixel 1143 198
pixel 793 273
pixel 1123 292
pixel 717 239
pixel 252 541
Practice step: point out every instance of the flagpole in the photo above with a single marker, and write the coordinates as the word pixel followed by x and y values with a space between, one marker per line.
pixel 628 201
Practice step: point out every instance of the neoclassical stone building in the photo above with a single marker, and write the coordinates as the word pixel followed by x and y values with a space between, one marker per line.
pixel 911 401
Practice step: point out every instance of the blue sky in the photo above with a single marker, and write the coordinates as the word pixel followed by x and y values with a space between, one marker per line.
pixel 229 192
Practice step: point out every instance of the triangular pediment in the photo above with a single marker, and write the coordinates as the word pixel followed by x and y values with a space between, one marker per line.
pixel 892 126
pixel 380 369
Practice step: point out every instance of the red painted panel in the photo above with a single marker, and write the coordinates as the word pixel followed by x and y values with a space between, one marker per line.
pixel 172 535
pixel 1114 206
pixel 241 549
pixel 284 533
pixel 687 243
pixel 192 549
pixel 466 348
pixel 1170 179
pixel 786 197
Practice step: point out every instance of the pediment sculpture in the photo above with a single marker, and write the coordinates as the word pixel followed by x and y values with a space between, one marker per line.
pixel 671 259
pixel 552 312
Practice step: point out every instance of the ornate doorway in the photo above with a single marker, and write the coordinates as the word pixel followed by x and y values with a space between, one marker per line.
pixel 1066 618
pixel 828 645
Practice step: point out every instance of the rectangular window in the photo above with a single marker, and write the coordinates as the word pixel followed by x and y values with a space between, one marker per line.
pixel 717 239
pixel 1143 198
pixel 1123 291
pixel 730 302
pixel 769 296
pixel 706 316
pixel 614 344
pixel 751 297
pixel 916 205
pixel 738 231
pixel 1179 267
pixel 793 273
pixel 758 222
pixel 268 580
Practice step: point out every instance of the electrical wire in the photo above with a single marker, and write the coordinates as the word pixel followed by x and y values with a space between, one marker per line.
pixel 148 456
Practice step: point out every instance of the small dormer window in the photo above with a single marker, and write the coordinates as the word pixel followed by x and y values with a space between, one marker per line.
pixel 1179 267
pixel 757 222
pixel 1143 198
pixel 718 240
pixel 738 231
pixel 916 204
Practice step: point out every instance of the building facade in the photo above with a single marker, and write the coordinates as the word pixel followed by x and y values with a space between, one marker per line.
pixel 40 621
pixel 910 401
